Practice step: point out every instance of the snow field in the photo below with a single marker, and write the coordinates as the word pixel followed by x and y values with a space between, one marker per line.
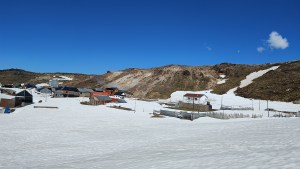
pixel 80 136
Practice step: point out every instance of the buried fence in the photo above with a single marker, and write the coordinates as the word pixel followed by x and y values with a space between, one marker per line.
pixel 182 114
pixel 223 107
pixel 193 115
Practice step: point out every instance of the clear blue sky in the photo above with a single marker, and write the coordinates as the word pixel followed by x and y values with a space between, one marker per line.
pixel 93 36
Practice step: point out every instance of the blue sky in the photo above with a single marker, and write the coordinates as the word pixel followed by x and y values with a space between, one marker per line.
pixel 93 36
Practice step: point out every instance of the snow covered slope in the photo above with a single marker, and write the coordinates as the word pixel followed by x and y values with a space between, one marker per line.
pixel 249 79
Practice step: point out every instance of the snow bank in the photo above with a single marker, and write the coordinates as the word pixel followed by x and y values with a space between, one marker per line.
pixel 222 81
pixel 42 85
pixel 62 78
pixel 249 79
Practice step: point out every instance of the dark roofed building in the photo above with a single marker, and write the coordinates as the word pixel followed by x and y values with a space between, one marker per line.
pixel 85 92
pixel 25 96
pixel 67 92
pixel 120 94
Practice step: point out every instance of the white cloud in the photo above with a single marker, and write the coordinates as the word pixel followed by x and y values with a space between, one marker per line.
pixel 276 41
pixel 208 48
pixel 260 49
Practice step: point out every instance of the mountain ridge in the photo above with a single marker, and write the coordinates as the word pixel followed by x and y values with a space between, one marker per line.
pixel 160 82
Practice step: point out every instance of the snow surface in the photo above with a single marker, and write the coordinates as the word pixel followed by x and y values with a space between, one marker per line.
pixel 249 79
pixel 42 85
pixel 222 81
pixel 81 136
pixel 62 78
pixel 222 76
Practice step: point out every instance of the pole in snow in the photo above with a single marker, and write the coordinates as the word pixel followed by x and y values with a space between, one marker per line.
pixel 268 107
pixel 135 106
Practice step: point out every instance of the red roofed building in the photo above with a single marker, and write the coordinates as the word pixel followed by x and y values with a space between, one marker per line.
pixel 195 98
pixel 196 102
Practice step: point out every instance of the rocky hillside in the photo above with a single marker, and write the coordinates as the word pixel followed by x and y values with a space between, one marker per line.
pixel 160 82
pixel 12 76
pixel 283 84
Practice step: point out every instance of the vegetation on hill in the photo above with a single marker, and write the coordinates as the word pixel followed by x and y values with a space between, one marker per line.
pixel 235 73
pixel 13 76
pixel 282 84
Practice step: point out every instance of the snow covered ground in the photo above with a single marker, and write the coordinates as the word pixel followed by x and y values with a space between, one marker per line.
pixel 231 100
pixel 80 136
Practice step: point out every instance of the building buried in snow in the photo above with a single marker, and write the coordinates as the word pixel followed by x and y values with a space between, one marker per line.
pixel 196 102
pixel 15 97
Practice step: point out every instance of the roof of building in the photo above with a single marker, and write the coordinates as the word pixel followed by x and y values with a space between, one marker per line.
pixel 45 90
pixel 103 98
pixel 120 94
pixel 85 90
pixel 15 90
pixel 101 93
pixel 24 93
pixel 5 96
pixel 99 89
pixel 193 95
pixel 74 89
pixel 111 88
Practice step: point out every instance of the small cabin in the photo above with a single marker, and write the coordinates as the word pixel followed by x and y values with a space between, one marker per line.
pixel 195 98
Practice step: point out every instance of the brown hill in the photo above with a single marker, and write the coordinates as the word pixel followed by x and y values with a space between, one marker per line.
pixel 281 84
pixel 12 76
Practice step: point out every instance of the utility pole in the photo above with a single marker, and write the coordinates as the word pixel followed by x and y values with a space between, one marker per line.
pixel 135 106
pixel 221 102
pixel 193 103
pixel 268 107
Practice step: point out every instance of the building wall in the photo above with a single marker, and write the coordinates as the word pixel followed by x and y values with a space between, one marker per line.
pixel 85 94
pixel 95 101
pixel 10 103
pixel 197 107
pixel 64 93
pixel 197 100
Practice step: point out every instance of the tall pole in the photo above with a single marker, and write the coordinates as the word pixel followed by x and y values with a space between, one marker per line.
pixel 193 103
pixel 221 102
pixel 268 107
pixel 135 106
